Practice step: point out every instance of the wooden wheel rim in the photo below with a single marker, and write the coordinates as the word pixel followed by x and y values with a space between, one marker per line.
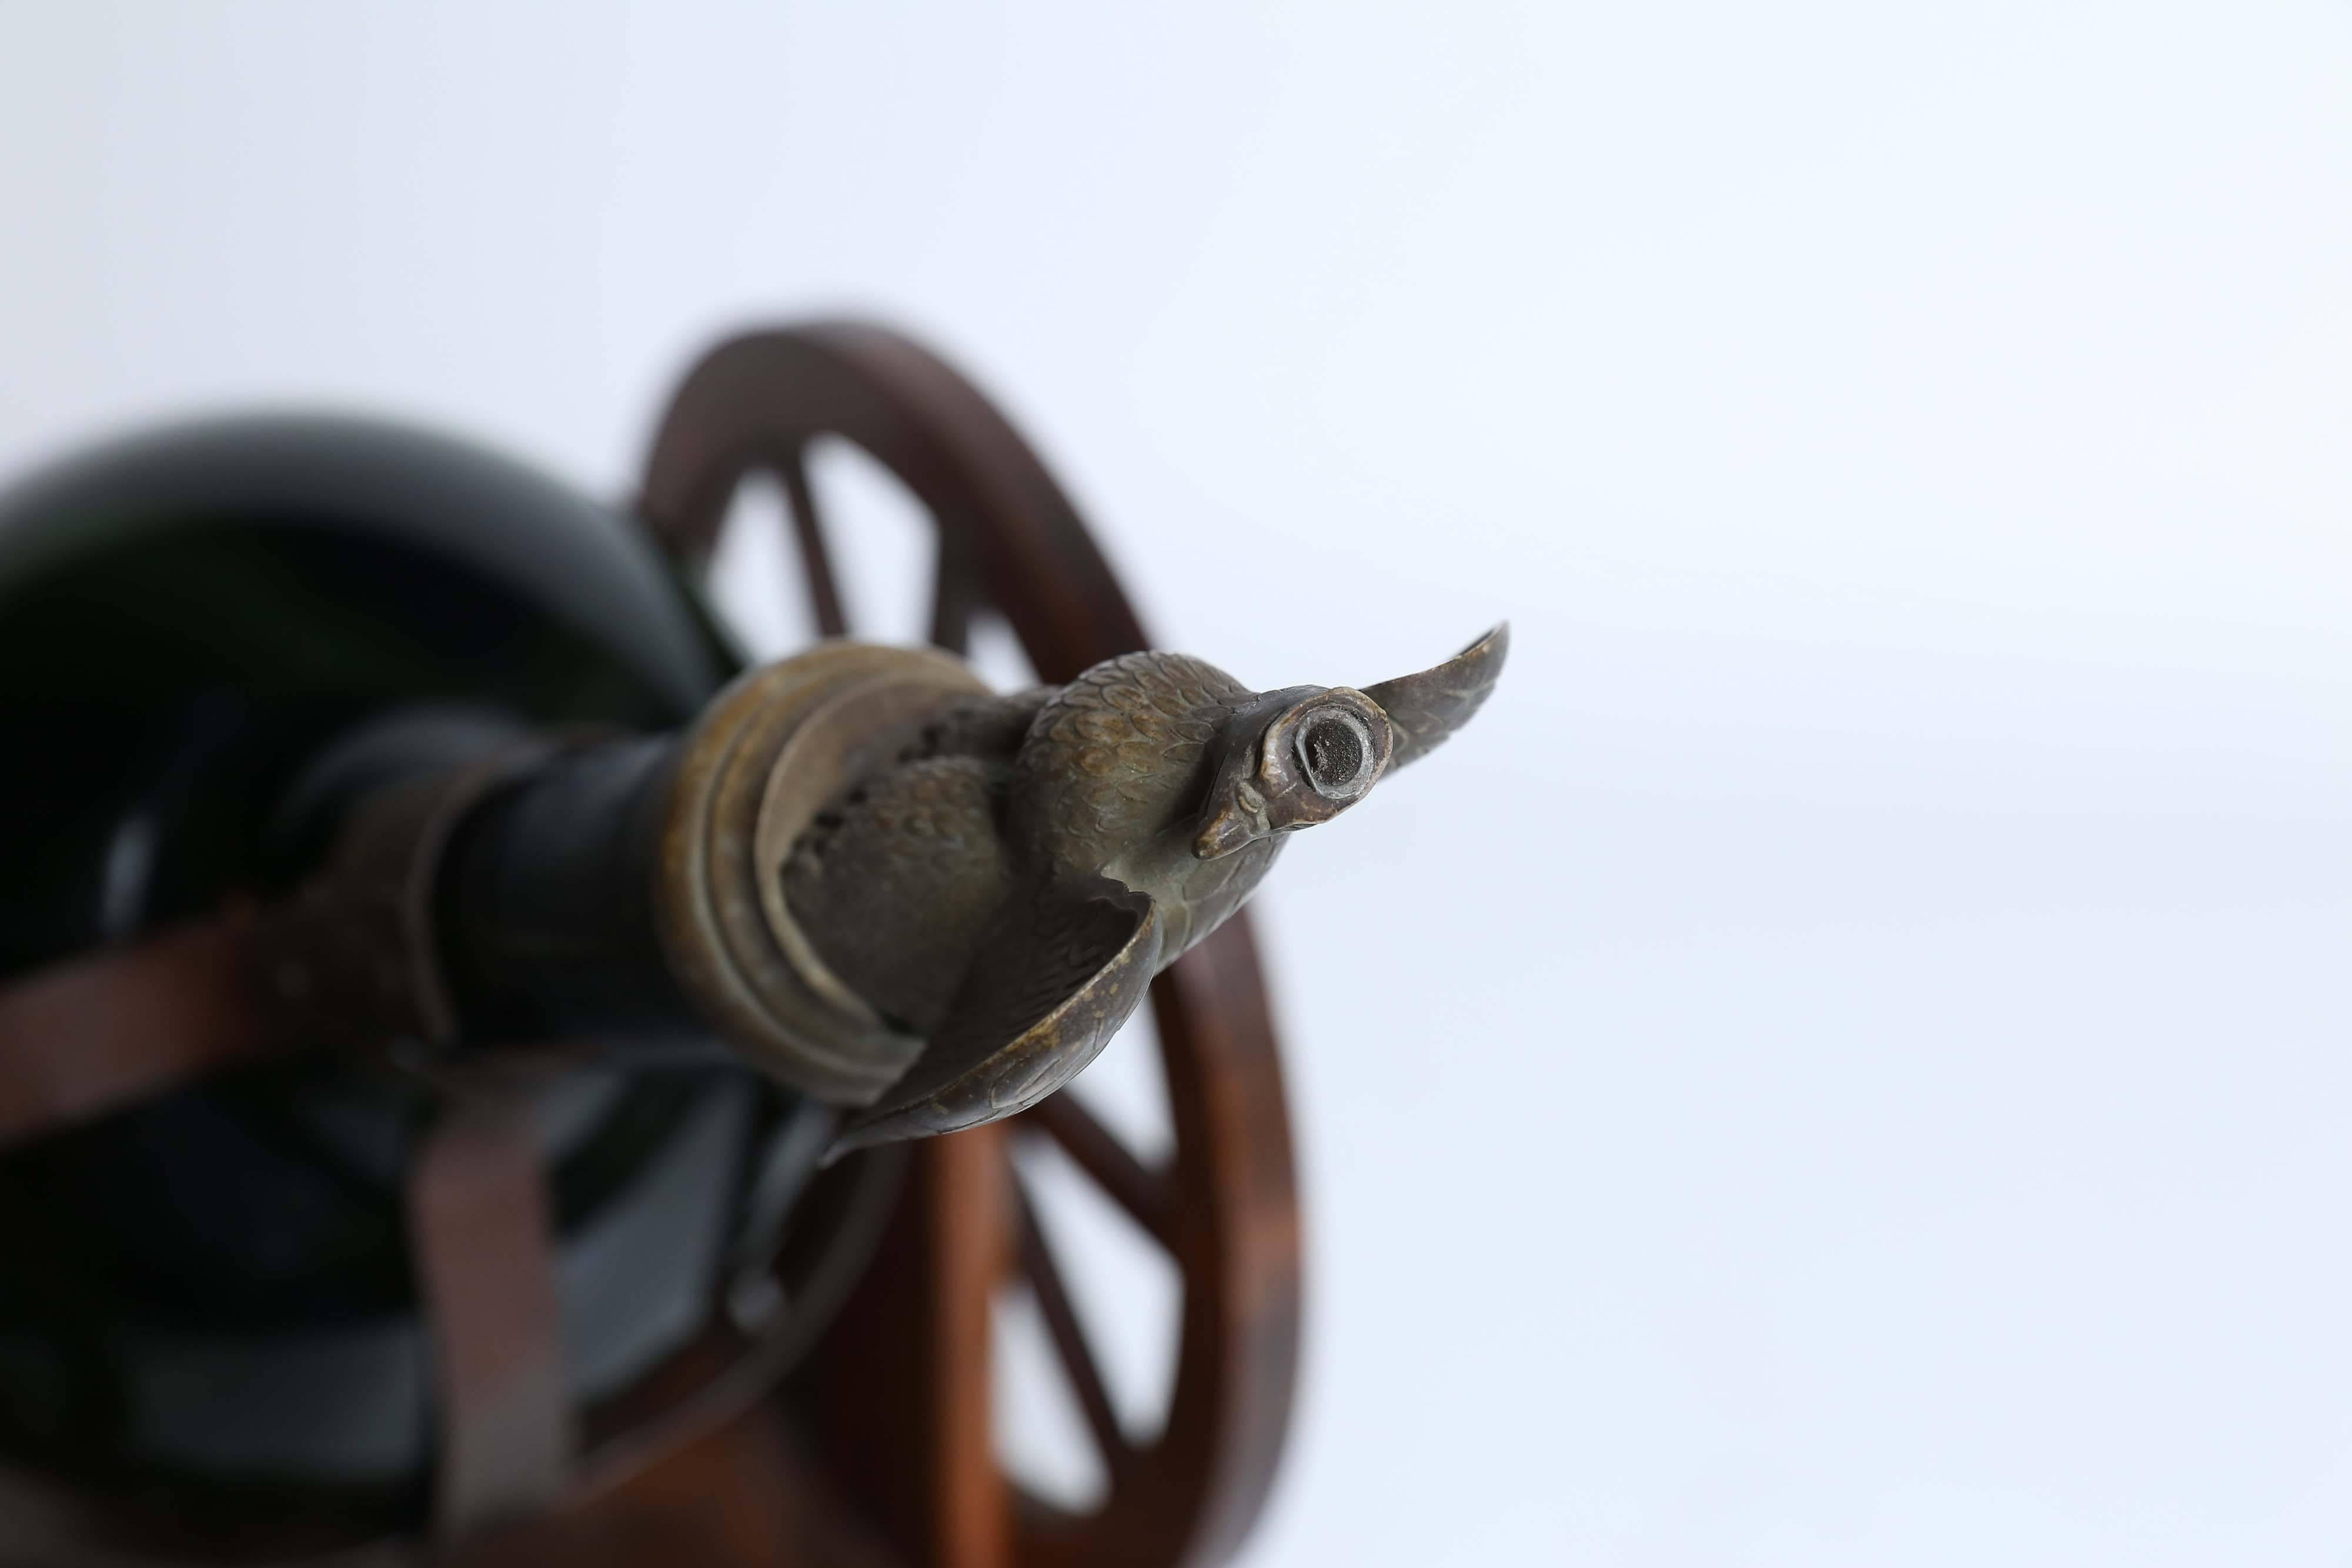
pixel 1225 1207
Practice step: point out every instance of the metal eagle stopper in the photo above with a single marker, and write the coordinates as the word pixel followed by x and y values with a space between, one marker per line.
pixel 961 921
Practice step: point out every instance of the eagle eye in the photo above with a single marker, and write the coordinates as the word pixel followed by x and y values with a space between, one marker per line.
pixel 1335 751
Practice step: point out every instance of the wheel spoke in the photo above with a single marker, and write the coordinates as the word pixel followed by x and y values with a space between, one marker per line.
pixel 1140 1189
pixel 955 594
pixel 1068 1335
pixel 808 529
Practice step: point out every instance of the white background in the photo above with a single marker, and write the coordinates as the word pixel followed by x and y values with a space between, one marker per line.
pixel 1846 1063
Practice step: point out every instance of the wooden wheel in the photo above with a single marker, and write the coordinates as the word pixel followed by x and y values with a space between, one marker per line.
pixel 901 1390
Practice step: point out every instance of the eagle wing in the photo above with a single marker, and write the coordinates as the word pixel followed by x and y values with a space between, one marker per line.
pixel 1067 964
pixel 1425 708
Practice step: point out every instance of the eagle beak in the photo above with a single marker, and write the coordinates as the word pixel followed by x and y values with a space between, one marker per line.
pixel 1239 821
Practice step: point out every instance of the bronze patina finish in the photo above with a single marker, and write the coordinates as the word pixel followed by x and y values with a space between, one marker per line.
pixel 757 764
pixel 994 897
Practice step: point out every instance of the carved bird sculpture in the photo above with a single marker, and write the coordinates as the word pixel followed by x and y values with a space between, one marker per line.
pixel 1009 886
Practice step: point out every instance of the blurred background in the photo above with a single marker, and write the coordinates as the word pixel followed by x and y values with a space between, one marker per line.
pixel 1845 1063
